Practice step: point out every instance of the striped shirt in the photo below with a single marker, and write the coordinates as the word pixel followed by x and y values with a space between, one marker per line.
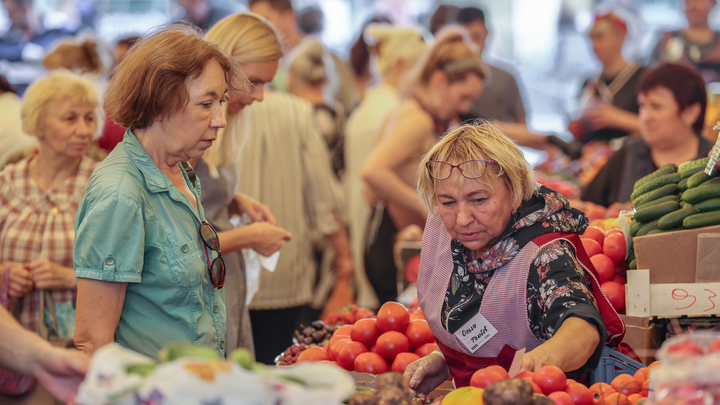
pixel 36 224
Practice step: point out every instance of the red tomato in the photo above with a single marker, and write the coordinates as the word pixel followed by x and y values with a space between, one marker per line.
pixel 634 398
pixel 642 374
pixel 595 233
pixel 561 398
pixel 314 353
pixel 334 347
pixel 604 266
pixel 600 390
pixel 645 388
pixel 714 346
pixel 616 399
pixel 615 293
pixel 389 344
pixel 536 388
pixel 418 314
pixel 412 267
pixel 348 353
pixel 484 377
pixel 626 384
pixel 426 349
pixel 499 370
pixel 654 364
pixel 579 393
pixel 418 333
pixel 613 231
pixel 365 331
pixel 343 330
pixel 550 379
pixel 372 349
pixel 524 374
pixel 614 247
pixel 591 247
pixel 392 316
pixel 621 270
pixel 370 363
pixel 402 360
pixel 619 279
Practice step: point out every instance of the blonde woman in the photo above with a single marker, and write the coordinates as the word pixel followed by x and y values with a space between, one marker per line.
pixel 254 44
pixel 447 80
pixel 397 49
pixel 39 198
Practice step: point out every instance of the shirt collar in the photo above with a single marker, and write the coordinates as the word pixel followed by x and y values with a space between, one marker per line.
pixel 155 180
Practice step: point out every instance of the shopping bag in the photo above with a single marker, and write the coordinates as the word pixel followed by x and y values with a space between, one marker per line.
pixel 10 383
pixel 341 296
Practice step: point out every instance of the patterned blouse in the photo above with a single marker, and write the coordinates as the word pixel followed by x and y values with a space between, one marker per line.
pixel 36 224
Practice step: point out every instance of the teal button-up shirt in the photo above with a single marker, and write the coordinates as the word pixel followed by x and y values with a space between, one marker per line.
pixel 135 226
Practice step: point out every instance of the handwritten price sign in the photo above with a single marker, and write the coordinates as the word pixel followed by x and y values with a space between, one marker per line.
pixel 645 299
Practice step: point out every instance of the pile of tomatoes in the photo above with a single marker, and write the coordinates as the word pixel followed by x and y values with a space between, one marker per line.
pixel 348 315
pixel 625 389
pixel 607 254
pixel 389 343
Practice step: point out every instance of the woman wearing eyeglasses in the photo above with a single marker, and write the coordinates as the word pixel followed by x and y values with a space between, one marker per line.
pixel 502 266
pixel 148 263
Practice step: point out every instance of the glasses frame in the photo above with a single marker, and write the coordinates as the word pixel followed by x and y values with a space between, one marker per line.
pixel 214 240
pixel 487 162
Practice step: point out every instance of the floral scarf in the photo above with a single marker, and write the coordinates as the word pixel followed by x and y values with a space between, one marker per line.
pixel 546 212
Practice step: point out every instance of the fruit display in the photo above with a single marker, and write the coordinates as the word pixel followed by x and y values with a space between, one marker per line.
pixel 191 374
pixel 690 370
pixel 349 315
pixel 607 251
pixel 675 198
pixel 564 185
pixel 391 390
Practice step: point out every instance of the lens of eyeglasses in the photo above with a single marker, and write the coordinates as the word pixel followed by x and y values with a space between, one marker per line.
pixel 472 169
pixel 439 170
pixel 217 272
pixel 210 236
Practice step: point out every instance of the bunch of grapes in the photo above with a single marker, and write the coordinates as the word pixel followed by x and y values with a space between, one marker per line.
pixel 290 355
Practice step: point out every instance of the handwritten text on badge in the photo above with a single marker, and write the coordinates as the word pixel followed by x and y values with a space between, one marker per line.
pixel 475 333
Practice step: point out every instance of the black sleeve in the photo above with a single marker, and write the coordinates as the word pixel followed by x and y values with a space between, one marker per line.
pixel 558 289
pixel 603 189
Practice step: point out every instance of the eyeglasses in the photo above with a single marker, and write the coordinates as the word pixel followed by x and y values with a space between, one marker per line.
pixel 472 169
pixel 216 269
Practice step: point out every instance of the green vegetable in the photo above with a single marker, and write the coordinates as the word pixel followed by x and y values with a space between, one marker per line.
pixel 631 257
pixel 635 227
pixel 712 182
pixel 696 195
pixel 647 228
pixel 243 357
pixel 655 231
pixel 656 183
pixel 175 350
pixel 682 186
pixel 655 194
pixel 632 265
pixel 675 219
pixel 142 369
pixel 699 178
pixel 679 228
pixel 671 197
pixel 712 204
pixel 689 172
pixel 653 212
pixel 703 219
pixel 695 163
pixel 665 169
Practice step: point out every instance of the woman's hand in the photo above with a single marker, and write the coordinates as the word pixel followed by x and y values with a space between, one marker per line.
pixel 21 282
pixel 535 359
pixel 61 371
pixel 47 275
pixel 267 238
pixel 426 374
pixel 255 210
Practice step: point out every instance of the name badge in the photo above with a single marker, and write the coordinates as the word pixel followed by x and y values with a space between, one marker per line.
pixel 475 333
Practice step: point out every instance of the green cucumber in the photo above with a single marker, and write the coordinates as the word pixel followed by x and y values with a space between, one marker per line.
pixel 647 228
pixel 702 162
pixel 656 183
pixel 696 195
pixel 682 185
pixel 665 169
pixel 632 256
pixel 632 265
pixel 667 189
pixel 675 218
pixel 712 204
pixel 712 182
pixel 703 219
pixel 671 197
pixel 635 227
pixel 654 212
pixel 699 178
pixel 679 228
pixel 654 231
pixel 689 172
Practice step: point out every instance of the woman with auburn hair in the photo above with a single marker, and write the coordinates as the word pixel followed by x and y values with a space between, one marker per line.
pixel 447 80
pixel 148 262
pixel 502 267
pixel 39 198
pixel 251 41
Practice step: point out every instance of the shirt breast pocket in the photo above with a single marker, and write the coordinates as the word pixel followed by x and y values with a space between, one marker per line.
pixel 187 264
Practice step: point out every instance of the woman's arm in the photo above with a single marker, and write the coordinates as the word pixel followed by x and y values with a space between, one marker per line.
pixel 406 141
pixel 569 349
pixel 99 306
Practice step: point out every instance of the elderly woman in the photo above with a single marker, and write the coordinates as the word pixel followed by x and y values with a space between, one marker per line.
pixel 148 263
pixel 502 266
pixel 672 103
pixel 39 197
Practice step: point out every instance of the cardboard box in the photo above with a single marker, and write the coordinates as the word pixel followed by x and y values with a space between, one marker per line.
pixel 674 257
pixel 369 381
pixel 643 336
